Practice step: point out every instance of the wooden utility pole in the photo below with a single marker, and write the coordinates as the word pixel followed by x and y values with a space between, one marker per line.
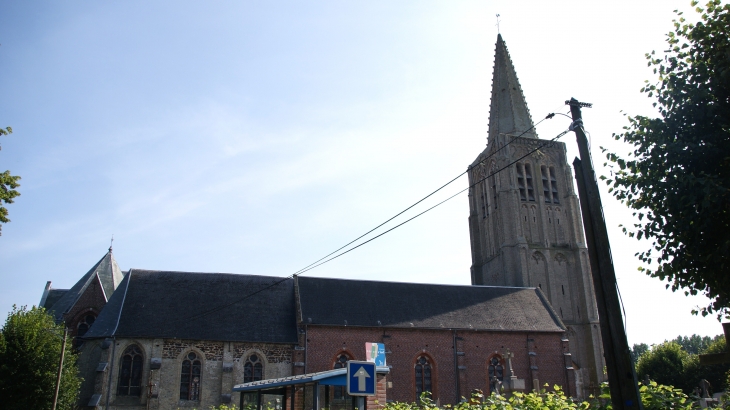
pixel 621 374
pixel 60 368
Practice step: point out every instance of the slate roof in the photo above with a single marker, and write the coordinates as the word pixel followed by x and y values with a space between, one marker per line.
pixel 109 274
pixel 412 305
pixel 200 306
pixel 54 295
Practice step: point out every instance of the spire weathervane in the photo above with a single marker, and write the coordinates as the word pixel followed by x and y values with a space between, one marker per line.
pixel 111 244
pixel 498 20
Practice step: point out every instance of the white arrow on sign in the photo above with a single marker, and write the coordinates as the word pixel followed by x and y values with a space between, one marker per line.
pixel 361 376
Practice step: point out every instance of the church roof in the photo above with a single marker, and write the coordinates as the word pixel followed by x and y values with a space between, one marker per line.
pixel 109 276
pixel 200 306
pixel 340 302
pixel 508 113
pixel 53 296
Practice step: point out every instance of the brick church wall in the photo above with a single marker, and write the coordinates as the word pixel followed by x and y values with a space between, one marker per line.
pixel 325 343
pixel 90 302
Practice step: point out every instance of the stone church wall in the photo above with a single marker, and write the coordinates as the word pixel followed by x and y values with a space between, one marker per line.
pixel 536 214
pixel 222 368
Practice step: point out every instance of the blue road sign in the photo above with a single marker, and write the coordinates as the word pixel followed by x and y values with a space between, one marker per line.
pixel 360 378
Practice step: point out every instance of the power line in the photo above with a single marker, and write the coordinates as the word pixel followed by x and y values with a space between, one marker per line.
pixel 440 203
pixel 306 268
pixel 312 266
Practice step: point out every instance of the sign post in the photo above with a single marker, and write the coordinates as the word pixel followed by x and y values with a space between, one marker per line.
pixel 361 378
pixel 361 381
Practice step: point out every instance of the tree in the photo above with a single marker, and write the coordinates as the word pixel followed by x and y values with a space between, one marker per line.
pixel 670 364
pixel 30 348
pixel 667 363
pixel 696 344
pixel 8 183
pixel 716 374
pixel 677 178
pixel 637 350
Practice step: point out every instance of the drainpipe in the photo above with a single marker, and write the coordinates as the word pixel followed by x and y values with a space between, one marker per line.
pixel 306 347
pixel 456 369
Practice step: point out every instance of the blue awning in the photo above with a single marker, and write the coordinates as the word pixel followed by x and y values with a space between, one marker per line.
pixel 336 377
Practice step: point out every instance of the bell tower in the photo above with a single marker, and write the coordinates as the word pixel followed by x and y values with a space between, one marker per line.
pixel 525 222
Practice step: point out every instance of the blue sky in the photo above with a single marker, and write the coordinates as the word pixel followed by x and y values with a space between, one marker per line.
pixel 258 137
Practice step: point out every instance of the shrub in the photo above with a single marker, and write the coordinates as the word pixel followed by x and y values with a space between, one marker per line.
pixel 654 396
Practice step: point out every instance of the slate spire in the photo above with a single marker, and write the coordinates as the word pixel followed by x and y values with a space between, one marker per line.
pixel 106 271
pixel 508 113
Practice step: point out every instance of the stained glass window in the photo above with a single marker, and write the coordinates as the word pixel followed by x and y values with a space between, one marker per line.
pixel 423 376
pixel 190 378
pixel 340 363
pixel 85 325
pixel 253 370
pixel 82 328
pixel 130 372
pixel 495 372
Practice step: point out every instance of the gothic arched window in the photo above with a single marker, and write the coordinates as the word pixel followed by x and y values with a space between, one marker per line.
pixel 130 372
pixel 340 363
pixel 495 372
pixel 82 327
pixel 85 324
pixel 423 376
pixel 190 378
pixel 253 370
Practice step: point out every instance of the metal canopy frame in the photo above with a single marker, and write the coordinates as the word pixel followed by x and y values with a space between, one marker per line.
pixel 336 377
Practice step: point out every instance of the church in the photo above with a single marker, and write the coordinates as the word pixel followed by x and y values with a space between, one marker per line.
pixel 168 340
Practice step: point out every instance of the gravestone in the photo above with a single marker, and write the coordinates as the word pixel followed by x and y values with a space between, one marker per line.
pixel 713 358
pixel 514 384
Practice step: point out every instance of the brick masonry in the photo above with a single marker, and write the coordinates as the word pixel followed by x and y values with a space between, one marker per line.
pixel 546 353
pixel 325 343
pixel 91 301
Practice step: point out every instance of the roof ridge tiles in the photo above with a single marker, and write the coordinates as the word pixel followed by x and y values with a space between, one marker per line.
pixel 466 286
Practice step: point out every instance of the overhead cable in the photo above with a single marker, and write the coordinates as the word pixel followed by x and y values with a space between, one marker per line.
pixel 322 261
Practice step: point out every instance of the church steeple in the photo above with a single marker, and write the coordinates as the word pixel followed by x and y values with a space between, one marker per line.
pixel 524 220
pixel 508 113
